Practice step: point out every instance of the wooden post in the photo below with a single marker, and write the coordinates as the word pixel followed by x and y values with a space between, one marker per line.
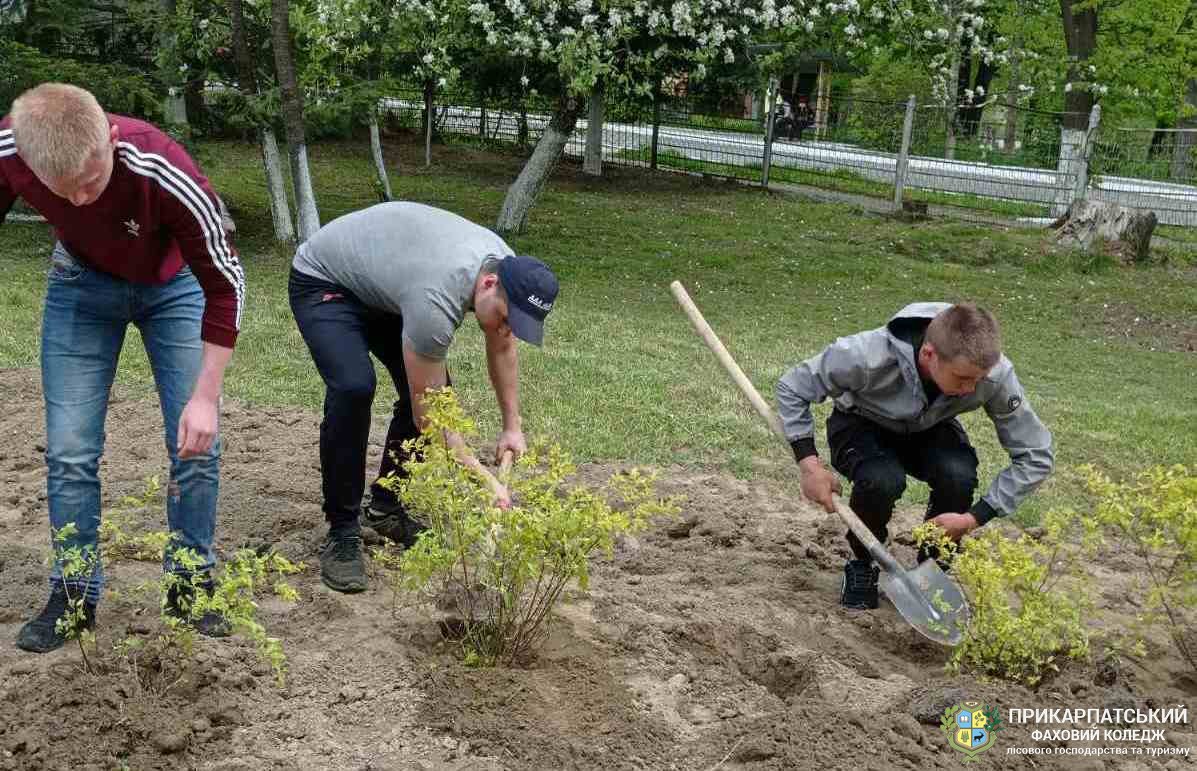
pixel 771 96
pixel 903 162
pixel 657 97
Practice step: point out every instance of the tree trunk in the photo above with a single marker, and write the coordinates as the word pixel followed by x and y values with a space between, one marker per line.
pixel 1009 146
pixel 949 144
pixel 379 166
pixel 1115 229
pixel 1184 149
pixel 970 115
pixel 513 217
pixel 297 150
pixel 593 162
pixel 174 107
pixel 276 186
pixel 429 94
pixel 280 210
pixel 658 95
pixel 1080 36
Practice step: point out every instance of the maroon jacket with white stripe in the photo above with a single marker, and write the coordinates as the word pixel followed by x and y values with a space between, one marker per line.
pixel 157 213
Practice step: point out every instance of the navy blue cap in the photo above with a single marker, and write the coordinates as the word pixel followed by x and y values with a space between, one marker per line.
pixel 531 291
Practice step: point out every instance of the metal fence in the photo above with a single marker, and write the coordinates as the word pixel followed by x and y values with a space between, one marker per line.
pixel 992 162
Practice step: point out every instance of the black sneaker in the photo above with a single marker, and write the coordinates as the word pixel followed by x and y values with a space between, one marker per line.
pixel 41 635
pixel 391 520
pixel 179 599
pixel 859 591
pixel 342 566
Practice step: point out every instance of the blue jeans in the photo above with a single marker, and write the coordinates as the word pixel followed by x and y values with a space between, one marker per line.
pixel 83 329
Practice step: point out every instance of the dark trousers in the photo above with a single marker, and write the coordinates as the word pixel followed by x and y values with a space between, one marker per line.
pixel 341 333
pixel 877 462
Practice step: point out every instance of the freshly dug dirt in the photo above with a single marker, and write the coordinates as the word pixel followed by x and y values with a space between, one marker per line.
pixel 712 641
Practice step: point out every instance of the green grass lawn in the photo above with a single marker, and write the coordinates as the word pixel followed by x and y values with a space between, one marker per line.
pixel 622 376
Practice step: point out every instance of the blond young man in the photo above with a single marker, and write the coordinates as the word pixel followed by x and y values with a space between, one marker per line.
pixel 140 242
pixel 897 391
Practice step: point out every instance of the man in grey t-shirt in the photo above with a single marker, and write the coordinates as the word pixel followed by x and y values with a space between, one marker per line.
pixel 396 280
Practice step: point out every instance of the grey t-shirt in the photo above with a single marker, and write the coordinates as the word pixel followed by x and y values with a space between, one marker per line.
pixel 406 258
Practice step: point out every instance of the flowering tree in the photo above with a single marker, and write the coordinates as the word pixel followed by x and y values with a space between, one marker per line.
pixel 625 44
pixel 424 39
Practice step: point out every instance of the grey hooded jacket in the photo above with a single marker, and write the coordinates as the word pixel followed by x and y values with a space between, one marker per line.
pixel 874 374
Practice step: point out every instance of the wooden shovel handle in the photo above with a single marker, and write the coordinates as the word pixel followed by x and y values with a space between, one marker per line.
pixel 506 462
pixel 709 337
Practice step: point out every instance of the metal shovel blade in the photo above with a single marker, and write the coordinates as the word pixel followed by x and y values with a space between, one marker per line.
pixel 930 601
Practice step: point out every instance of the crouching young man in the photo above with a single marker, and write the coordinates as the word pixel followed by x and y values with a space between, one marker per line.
pixel 897 391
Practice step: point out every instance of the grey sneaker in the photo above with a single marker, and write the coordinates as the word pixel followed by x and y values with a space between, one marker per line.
pixel 342 565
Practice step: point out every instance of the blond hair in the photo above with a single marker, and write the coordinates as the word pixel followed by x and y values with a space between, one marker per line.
pixel 58 128
pixel 964 330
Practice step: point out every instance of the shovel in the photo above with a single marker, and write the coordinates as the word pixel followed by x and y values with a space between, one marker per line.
pixel 929 599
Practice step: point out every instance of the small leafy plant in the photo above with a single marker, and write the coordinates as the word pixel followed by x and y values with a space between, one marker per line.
pixel 154 662
pixel 1027 596
pixel 505 570
pixel 1153 517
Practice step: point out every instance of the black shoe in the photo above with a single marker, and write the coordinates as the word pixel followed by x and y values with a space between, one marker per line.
pixel 391 520
pixel 342 566
pixel 859 591
pixel 41 634
pixel 179 599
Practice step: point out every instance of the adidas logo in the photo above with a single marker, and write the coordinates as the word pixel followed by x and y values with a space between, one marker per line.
pixel 133 228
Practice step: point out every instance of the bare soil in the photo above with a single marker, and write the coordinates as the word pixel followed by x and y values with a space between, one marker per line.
pixel 712 641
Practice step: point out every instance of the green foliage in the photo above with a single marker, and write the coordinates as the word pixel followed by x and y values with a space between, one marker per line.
pixel 1028 597
pixel 118 88
pixel 507 569
pixel 115 539
pixel 247 575
pixel 154 663
pixel 1153 518
pixel 77 563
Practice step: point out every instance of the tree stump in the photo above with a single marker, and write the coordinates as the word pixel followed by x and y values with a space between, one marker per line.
pixel 1118 230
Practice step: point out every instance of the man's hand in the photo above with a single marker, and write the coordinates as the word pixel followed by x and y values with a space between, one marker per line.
pixel 819 484
pixel 197 427
pixel 510 439
pixel 501 494
pixel 956 525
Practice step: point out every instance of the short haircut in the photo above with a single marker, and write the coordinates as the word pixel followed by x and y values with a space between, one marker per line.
pixel 964 330
pixel 490 267
pixel 58 128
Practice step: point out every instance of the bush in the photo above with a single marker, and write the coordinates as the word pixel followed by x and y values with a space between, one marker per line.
pixel 1027 596
pixel 118 88
pixel 153 663
pixel 1153 519
pixel 506 569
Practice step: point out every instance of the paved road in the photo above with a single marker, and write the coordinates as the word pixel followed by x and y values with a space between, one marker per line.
pixel 1173 204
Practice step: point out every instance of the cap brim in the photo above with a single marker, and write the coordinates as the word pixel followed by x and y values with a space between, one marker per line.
pixel 524 326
